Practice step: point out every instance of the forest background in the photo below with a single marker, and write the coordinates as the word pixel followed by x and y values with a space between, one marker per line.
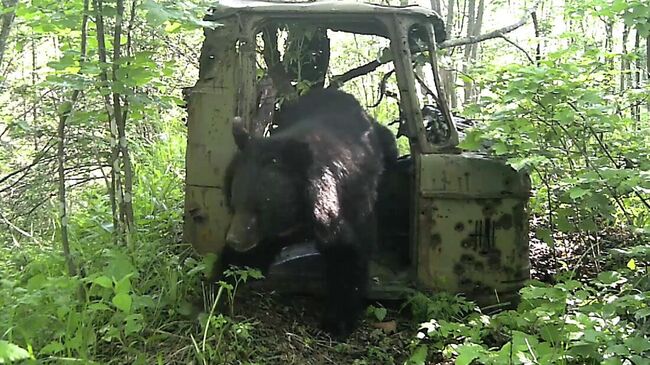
pixel 91 190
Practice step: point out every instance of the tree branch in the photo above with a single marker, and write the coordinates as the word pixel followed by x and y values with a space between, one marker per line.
pixel 519 48
pixel 7 19
pixel 35 161
pixel 371 66
pixel 490 35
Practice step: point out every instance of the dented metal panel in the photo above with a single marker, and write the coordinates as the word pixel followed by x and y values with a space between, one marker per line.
pixel 324 9
pixel 210 145
pixel 472 227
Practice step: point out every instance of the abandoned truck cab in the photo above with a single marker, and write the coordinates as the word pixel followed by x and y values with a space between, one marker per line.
pixel 448 220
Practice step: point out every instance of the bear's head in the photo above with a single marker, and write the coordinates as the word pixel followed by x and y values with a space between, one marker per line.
pixel 266 189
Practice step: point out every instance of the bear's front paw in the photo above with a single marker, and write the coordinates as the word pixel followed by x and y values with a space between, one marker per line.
pixel 338 328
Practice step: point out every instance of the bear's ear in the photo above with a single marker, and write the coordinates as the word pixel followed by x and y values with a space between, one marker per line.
pixel 296 155
pixel 240 132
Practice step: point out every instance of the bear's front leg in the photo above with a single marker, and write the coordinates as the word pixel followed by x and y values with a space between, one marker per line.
pixel 346 269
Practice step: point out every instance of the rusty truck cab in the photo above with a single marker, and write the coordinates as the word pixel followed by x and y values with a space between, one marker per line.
pixel 467 215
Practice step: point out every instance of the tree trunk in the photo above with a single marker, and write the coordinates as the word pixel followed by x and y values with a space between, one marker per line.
pixel 609 41
pixel 448 77
pixel 477 27
pixel 647 65
pixel 126 201
pixel 63 118
pixel 114 192
pixel 636 109
pixel 538 48
pixel 449 25
pixel 474 47
pixel 7 20
pixel 467 56
pixel 435 6
pixel 625 67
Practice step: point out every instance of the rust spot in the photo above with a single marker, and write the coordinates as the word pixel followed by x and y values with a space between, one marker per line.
pixel 479 266
pixel 197 215
pixel 509 271
pixel 459 227
pixel 505 222
pixel 467 243
pixel 467 259
pixel 465 283
pixel 488 210
pixel 469 262
pixel 436 240
pixel 494 259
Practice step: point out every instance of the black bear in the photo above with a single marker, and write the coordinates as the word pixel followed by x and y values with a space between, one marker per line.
pixel 314 178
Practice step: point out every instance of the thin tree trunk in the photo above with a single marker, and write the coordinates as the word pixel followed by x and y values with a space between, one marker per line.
pixel 448 76
pixel 538 48
pixel 647 65
pixel 7 20
pixel 474 47
pixel 478 25
pixel 609 41
pixel 636 109
pixel 63 211
pixel 34 100
pixel 120 121
pixel 449 26
pixel 115 192
pixel 467 56
pixel 625 66
pixel 435 6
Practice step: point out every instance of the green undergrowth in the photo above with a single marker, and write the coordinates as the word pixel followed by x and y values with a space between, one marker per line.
pixel 134 303
pixel 604 320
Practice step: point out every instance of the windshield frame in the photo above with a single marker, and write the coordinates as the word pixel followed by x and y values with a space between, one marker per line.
pixel 393 27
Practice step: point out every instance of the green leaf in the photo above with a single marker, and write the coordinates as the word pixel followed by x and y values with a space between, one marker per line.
pixel 380 313
pixel 52 348
pixel 500 148
pixel 639 360
pixel 637 344
pixel 123 286
pixel 103 281
pixel 468 353
pixel 419 356
pixel 610 277
pixel 577 192
pixel 642 313
pixel 123 302
pixel 98 307
pixel 133 323
pixel 618 350
pixel 10 353
pixel 156 14
pixel 545 235
pixel 472 141
pixel 582 349
pixel 36 282
pixel 612 361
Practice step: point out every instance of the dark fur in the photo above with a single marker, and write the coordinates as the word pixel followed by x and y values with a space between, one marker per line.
pixel 316 177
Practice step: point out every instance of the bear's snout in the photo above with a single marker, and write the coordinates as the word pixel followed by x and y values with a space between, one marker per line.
pixel 242 233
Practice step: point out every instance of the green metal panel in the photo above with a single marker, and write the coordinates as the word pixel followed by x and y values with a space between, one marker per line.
pixel 210 144
pixel 472 227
